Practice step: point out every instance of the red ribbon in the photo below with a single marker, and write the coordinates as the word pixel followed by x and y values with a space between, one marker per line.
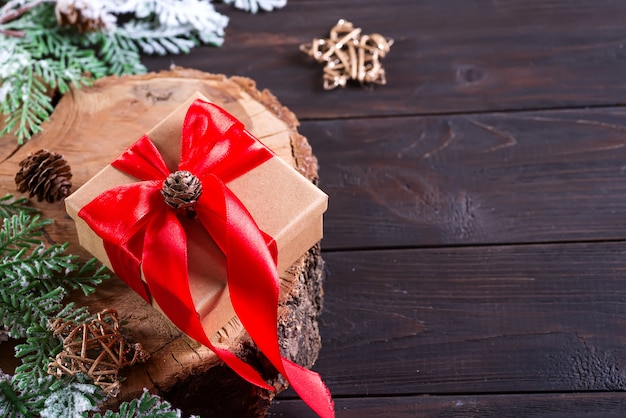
pixel 140 232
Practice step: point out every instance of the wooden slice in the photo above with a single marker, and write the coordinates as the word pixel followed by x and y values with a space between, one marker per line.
pixel 92 126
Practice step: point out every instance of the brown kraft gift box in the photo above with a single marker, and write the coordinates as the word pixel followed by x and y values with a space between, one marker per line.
pixel 283 203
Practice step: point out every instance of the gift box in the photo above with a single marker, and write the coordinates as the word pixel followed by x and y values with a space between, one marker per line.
pixel 284 204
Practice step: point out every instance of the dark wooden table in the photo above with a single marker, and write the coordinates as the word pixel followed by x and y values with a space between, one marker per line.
pixel 476 235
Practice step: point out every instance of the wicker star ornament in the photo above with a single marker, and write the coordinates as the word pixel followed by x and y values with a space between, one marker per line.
pixel 349 55
pixel 96 349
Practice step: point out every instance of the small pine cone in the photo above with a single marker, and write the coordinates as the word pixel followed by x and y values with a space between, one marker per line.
pixel 181 190
pixel 44 174
pixel 83 15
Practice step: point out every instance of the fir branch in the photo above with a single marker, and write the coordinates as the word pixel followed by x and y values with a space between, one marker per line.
pixel 35 355
pixel 199 15
pixel 158 41
pixel 20 309
pixel 20 231
pixel 63 64
pixel 9 205
pixel 34 280
pixel 88 276
pixel 70 399
pixel 48 397
pixel 46 57
pixel 49 268
pixel 23 303
pixel 11 403
pixel 26 113
pixel 119 53
pixel 146 406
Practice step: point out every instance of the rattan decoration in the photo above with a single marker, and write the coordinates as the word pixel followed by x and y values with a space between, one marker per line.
pixel 349 55
pixel 96 349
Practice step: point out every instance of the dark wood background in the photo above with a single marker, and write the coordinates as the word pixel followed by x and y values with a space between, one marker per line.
pixel 475 239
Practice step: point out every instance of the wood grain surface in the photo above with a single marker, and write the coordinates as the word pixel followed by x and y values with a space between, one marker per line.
pixel 484 319
pixel 515 177
pixel 606 405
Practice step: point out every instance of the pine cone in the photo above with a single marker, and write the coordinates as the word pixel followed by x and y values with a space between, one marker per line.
pixel 181 190
pixel 83 15
pixel 44 174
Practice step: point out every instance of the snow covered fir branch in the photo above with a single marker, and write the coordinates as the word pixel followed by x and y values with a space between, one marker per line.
pixel 46 46
pixel 35 279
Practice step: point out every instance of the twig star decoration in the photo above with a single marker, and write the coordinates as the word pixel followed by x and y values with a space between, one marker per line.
pixel 96 349
pixel 349 55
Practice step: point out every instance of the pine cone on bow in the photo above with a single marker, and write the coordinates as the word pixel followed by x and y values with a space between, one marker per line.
pixel 181 190
pixel 44 174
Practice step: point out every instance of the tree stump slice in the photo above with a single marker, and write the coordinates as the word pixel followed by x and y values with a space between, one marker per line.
pixel 90 127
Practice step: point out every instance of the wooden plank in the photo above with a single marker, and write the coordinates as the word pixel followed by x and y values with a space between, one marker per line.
pixel 467 179
pixel 449 56
pixel 504 319
pixel 558 405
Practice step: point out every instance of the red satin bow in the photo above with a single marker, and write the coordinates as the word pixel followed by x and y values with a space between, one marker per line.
pixel 140 232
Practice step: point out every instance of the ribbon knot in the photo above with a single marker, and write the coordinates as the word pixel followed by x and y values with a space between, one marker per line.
pixel 142 235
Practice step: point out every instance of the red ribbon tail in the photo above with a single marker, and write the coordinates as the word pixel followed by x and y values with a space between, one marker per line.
pixel 256 300
pixel 128 268
pixel 310 387
pixel 243 369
